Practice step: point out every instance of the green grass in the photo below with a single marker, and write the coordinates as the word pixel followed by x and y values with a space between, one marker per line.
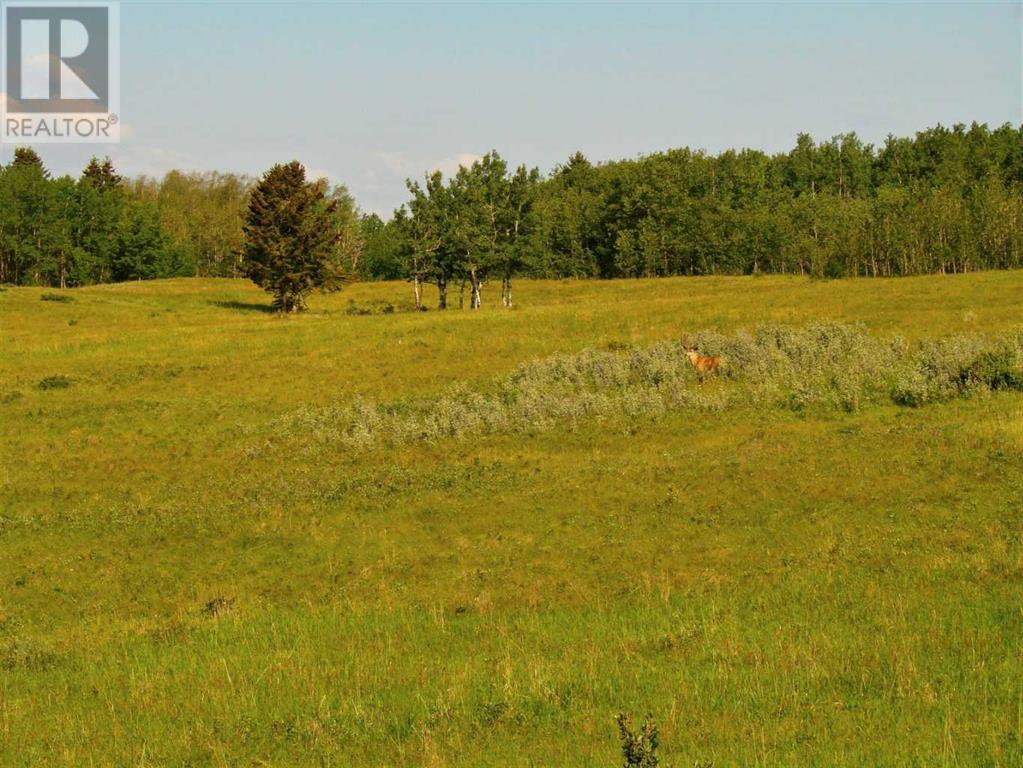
pixel 776 588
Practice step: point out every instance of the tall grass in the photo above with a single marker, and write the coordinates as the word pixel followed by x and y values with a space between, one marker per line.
pixel 783 567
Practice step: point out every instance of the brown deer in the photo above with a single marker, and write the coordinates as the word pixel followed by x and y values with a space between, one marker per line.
pixel 703 364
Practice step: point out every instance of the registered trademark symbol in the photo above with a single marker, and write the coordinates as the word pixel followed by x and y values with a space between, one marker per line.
pixel 113 119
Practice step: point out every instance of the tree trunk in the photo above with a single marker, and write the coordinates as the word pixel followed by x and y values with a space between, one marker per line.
pixel 287 304
pixel 442 294
pixel 474 279
pixel 417 287
pixel 506 292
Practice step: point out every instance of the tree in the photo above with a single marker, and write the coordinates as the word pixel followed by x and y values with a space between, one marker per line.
pixel 143 248
pixel 347 230
pixel 26 157
pixel 517 227
pixel 100 209
pixel 381 252
pixel 204 215
pixel 32 229
pixel 944 200
pixel 290 238
pixel 430 254
pixel 478 196
pixel 477 223
pixel 101 176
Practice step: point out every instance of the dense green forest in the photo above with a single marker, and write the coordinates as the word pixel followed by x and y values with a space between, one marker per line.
pixel 946 200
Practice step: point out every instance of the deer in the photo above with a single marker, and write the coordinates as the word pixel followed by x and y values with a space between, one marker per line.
pixel 703 364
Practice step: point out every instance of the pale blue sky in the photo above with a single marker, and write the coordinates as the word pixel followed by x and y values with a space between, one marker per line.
pixel 371 94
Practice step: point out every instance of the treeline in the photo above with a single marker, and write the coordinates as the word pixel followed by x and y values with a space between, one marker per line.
pixel 946 200
pixel 65 232
pixel 100 227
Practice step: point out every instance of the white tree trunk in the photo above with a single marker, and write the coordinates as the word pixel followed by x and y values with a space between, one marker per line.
pixel 474 279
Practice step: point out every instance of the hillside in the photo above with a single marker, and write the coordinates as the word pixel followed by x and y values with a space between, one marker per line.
pixel 197 568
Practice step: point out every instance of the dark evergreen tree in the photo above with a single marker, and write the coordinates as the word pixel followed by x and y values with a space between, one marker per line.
pixel 26 157
pixel 101 176
pixel 290 238
pixel 96 227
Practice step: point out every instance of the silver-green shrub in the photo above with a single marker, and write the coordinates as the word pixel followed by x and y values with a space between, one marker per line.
pixel 823 366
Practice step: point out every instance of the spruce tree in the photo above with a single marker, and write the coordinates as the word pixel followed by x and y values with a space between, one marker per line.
pixel 97 226
pixel 101 176
pixel 289 248
pixel 26 157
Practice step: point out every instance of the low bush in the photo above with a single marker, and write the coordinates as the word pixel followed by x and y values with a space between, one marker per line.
pixel 54 382
pixel 995 370
pixel 374 308
pixel 63 298
pixel 639 747
pixel 824 367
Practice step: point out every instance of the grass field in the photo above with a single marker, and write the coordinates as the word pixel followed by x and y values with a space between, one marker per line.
pixel 184 584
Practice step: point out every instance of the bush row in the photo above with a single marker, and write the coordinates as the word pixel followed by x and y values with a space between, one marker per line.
pixel 827 366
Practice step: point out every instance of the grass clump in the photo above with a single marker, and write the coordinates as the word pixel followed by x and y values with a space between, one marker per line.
pixel 27 655
pixel 54 382
pixel 371 308
pixel 61 298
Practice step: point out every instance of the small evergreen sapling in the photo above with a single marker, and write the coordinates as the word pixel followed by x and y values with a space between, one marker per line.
pixel 639 748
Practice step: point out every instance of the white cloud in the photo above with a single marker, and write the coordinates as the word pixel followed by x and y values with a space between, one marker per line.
pixel 449 165
pixel 393 162
pixel 398 164
pixel 315 174
pixel 133 159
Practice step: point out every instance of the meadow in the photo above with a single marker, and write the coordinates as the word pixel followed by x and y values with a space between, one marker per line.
pixel 230 538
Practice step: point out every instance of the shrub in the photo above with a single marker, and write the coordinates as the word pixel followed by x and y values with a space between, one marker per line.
pixel 54 382
pixel 375 308
pixel 914 389
pixel 994 370
pixel 825 366
pixel 639 748
pixel 217 606
pixel 27 655
pixel 63 298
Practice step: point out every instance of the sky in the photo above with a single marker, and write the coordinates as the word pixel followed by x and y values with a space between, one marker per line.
pixel 369 95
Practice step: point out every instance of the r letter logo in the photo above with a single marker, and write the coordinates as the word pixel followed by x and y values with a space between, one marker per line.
pixel 61 78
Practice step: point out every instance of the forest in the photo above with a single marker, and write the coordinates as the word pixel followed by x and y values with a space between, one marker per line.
pixel 947 200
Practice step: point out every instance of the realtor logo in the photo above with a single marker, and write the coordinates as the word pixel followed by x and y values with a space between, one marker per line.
pixel 61 77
